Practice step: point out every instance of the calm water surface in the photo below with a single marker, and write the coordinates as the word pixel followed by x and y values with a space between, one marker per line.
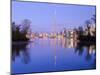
pixel 44 55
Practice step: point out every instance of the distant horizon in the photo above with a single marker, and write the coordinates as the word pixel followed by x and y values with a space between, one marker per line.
pixel 44 19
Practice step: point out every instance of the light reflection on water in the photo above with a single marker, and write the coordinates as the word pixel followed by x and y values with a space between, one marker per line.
pixel 45 54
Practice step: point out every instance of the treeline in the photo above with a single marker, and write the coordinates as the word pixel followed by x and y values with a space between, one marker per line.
pixel 19 31
pixel 89 32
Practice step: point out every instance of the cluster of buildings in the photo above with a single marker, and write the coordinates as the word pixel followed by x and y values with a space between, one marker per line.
pixel 68 33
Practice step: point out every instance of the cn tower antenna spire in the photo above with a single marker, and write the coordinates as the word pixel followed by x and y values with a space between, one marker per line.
pixel 54 18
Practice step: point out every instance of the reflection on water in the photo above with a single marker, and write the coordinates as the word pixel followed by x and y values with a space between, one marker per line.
pixel 90 48
pixel 20 50
pixel 51 52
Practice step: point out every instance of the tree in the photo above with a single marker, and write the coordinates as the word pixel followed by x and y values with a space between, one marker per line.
pixel 26 26
pixel 19 32
pixel 88 23
pixel 94 18
pixel 80 29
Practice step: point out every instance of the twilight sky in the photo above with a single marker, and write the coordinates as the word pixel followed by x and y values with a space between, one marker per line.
pixel 46 17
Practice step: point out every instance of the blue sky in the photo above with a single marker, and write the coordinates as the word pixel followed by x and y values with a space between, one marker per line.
pixel 44 19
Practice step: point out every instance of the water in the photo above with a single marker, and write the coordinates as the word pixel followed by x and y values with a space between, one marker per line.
pixel 48 55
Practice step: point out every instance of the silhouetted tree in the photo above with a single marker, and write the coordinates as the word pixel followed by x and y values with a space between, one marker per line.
pixel 88 26
pixel 80 30
pixel 94 18
pixel 19 32
pixel 25 26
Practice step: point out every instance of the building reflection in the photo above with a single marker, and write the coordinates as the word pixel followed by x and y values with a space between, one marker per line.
pixel 63 42
pixel 79 47
pixel 22 51
pixel 69 43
